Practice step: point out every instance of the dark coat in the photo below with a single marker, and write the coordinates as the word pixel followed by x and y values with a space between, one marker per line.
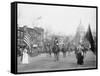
pixel 80 58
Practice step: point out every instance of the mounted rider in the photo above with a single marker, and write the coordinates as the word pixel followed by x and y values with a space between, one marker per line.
pixel 56 41
pixel 56 49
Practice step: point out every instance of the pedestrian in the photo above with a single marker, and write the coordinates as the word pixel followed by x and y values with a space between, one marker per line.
pixel 80 56
pixel 25 58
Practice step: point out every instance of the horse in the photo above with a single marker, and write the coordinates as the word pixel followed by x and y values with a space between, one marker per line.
pixel 63 50
pixel 56 50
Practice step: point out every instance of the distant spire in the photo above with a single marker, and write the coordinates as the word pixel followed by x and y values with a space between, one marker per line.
pixel 80 27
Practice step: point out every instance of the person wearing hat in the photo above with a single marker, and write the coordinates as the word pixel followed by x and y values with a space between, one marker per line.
pixel 25 58
pixel 56 41
pixel 80 55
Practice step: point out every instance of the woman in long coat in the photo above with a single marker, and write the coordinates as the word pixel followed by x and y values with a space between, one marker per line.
pixel 80 55
pixel 25 58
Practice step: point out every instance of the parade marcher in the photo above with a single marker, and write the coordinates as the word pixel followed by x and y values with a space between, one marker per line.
pixel 25 59
pixel 79 55
pixel 56 41
pixel 56 49
pixel 56 44
pixel 21 54
pixel 63 50
pixel 49 48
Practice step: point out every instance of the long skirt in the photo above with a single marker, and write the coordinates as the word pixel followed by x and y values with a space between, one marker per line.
pixel 25 58
pixel 80 59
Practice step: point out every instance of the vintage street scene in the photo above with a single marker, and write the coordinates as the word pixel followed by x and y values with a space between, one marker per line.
pixel 55 38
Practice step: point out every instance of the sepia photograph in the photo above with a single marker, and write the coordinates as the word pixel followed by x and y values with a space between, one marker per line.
pixel 54 37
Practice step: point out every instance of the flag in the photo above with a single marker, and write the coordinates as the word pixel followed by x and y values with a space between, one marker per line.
pixel 89 37
pixel 27 39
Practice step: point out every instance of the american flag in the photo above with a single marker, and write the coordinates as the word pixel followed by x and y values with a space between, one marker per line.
pixel 27 40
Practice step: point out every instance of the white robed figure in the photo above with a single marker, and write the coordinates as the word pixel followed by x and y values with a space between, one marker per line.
pixel 25 59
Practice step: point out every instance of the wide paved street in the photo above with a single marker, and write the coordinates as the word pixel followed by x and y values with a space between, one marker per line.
pixel 44 62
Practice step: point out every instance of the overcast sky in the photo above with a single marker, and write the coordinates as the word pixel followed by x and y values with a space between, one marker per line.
pixel 57 19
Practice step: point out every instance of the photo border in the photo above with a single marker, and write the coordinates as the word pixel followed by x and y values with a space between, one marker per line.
pixel 14 36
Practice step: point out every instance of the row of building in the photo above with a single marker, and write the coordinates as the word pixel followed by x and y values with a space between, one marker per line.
pixel 31 37
pixel 35 37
